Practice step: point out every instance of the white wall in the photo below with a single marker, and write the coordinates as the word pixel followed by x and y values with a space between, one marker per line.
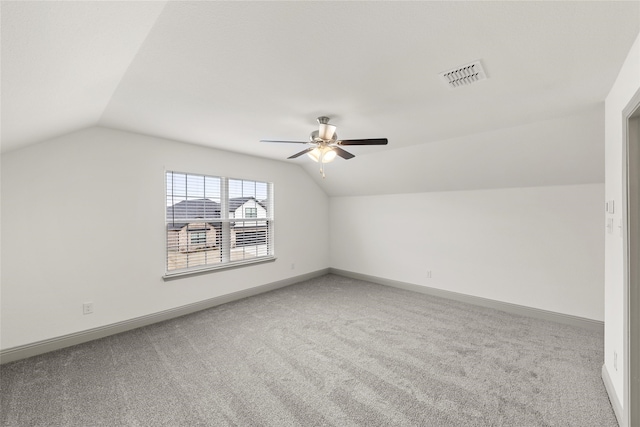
pixel 83 220
pixel 626 85
pixel 540 247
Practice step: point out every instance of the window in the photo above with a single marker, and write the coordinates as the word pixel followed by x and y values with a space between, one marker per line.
pixel 214 222
pixel 198 238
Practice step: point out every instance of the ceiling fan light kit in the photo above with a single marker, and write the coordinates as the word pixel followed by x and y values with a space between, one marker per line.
pixel 324 154
pixel 326 144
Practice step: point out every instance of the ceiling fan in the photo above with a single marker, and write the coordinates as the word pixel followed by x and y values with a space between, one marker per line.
pixel 325 145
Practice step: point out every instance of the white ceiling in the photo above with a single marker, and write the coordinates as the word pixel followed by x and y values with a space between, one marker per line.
pixel 227 74
pixel 62 62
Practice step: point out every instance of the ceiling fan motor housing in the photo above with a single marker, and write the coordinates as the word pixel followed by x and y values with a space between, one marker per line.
pixel 315 137
pixel 326 131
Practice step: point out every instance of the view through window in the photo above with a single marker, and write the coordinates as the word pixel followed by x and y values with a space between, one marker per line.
pixel 215 221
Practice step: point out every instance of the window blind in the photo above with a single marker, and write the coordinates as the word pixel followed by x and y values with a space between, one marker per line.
pixel 213 222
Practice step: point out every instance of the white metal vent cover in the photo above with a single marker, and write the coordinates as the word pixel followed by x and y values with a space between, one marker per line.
pixel 464 75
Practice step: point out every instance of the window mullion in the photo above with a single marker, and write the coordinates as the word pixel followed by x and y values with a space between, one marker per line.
pixel 225 250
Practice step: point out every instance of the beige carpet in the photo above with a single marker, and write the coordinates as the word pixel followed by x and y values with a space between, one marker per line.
pixel 329 351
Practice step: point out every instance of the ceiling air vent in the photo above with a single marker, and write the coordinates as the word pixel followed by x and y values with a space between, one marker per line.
pixel 464 75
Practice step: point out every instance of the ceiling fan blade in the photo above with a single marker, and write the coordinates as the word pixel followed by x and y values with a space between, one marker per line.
pixel 301 153
pixel 373 141
pixel 342 153
pixel 285 142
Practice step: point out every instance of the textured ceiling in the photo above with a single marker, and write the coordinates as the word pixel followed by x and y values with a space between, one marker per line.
pixel 227 74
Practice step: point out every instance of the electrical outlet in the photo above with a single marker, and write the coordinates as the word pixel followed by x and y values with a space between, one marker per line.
pixel 615 360
pixel 87 308
pixel 429 274
pixel 293 265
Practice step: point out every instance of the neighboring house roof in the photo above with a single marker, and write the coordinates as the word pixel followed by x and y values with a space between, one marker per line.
pixel 189 209
pixel 205 209
pixel 236 202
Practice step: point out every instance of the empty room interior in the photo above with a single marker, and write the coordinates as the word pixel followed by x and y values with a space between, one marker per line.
pixel 319 213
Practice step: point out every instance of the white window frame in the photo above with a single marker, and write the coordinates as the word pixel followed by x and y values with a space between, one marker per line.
pixel 226 221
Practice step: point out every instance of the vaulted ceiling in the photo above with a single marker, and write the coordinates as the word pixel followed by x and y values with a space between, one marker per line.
pixel 227 74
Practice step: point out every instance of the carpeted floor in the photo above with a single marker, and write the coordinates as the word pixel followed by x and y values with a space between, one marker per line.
pixel 328 351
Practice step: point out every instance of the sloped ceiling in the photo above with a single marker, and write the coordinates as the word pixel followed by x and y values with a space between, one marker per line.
pixel 227 74
pixel 62 62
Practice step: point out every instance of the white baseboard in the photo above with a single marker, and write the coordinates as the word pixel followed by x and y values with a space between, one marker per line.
pixel 45 346
pixel 536 313
pixel 613 396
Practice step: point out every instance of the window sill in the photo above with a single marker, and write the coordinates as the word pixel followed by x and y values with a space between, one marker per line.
pixel 210 269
